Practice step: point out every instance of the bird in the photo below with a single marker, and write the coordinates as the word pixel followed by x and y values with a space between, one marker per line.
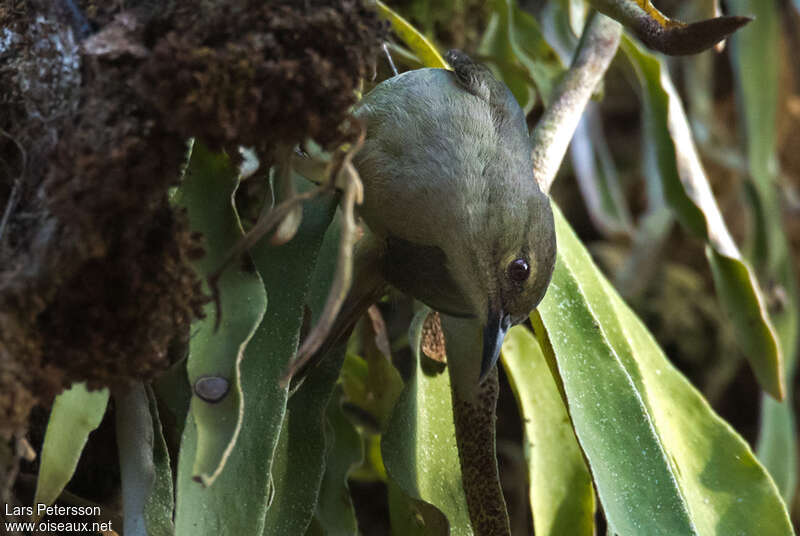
pixel 453 215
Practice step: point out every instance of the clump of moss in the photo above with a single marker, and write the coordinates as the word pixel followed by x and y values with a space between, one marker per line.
pixel 258 74
pixel 94 280
pixel 97 286
pixel 105 336
pixel 39 85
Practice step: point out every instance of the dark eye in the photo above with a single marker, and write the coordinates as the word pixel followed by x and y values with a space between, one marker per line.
pixel 518 270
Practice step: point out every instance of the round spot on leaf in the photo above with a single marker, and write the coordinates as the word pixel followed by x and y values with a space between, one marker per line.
pixel 212 389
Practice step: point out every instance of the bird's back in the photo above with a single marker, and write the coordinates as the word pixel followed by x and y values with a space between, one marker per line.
pixel 435 151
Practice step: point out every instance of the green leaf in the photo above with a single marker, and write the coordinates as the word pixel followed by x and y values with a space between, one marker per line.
pixel 688 192
pixel 597 176
pixel 663 462
pixel 174 396
pixel 418 43
pixel 160 504
pixel 216 350
pixel 755 54
pixel 520 54
pixel 577 10
pixel 419 451
pixel 413 517
pixel 496 45
pixel 372 386
pixel 534 52
pixel 560 28
pixel 237 502
pixel 335 513
pixel 144 464
pixel 76 412
pixel 299 460
pixel 561 493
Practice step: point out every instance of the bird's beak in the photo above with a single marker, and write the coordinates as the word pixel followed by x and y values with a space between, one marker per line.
pixel 493 334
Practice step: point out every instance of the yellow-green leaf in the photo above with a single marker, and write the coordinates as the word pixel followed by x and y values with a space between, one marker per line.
pixel 687 190
pixel 561 493
pixel 418 43
pixel 419 446
pixel 663 462
pixel 76 413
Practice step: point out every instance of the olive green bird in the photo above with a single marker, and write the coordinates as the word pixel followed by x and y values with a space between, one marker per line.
pixel 453 213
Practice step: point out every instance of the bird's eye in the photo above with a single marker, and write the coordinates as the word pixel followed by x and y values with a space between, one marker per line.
pixel 518 270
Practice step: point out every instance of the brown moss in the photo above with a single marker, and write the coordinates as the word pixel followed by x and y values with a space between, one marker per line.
pixel 94 279
pixel 39 86
pixel 98 285
pixel 117 316
pixel 255 73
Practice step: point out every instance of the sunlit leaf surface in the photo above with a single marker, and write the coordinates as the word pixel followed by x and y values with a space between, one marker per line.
pixel 663 462
pixel 561 493
pixel 418 43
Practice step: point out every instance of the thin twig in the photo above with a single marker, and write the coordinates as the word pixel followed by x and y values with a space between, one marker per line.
pixel 389 57
pixel 353 194
pixel 16 189
pixel 284 184
pixel 263 226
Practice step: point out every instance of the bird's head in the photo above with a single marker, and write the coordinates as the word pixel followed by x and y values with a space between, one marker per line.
pixel 505 266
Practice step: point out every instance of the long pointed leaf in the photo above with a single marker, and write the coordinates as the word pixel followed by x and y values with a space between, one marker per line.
pixel 688 192
pixel 76 412
pixel 144 465
pixel 755 56
pixel 299 460
pixel 597 176
pixel 561 493
pixel 419 446
pixel 160 504
pixel 215 352
pixel 418 43
pixel 135 444
pixel 237 502
pixel 335 513
pixel 521 56
pixel 662 461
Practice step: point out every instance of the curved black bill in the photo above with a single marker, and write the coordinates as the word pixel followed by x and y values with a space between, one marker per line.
pixel 493 335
